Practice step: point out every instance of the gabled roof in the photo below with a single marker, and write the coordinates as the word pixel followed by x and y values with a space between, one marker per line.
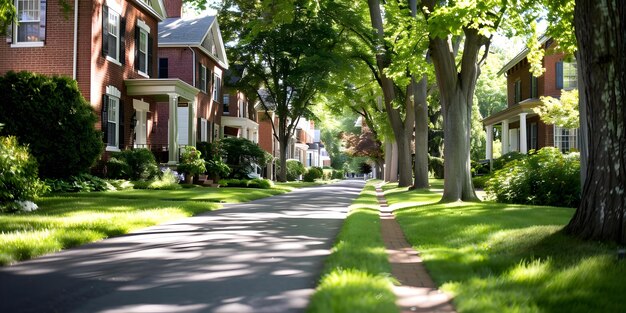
pixel 195 32
pixel 520 56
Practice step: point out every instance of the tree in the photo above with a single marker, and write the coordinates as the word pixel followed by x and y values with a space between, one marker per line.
pixel 52 117
pixel 562 112
pixel 600 26
pixel 286 48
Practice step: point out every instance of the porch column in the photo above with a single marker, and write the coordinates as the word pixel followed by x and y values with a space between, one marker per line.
pixel 244 132
pixel 192 130
pixel 505 137
pixel 173 129
pixel 523 147
pixel 489 147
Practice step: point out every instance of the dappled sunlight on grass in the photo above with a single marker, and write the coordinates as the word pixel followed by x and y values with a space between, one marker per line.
pixel 510 258
pixel 357 274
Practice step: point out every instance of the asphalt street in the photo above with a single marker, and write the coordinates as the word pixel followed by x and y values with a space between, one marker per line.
pixel 261 256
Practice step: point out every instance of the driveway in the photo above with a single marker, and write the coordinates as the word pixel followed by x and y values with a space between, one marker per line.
pixel 261 256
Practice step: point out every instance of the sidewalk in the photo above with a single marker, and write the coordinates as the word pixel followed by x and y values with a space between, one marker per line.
pixel 261 256
pixel 417 292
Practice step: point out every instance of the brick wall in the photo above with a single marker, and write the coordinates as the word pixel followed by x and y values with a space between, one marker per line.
pixel 266 138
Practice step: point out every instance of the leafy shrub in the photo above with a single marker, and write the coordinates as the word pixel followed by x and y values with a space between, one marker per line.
pixel 502 161
pixel 167 181
pixel 480 168
pixel 294 169
pixel 435 166
pixel 545 178
pixel 137 164
pixel 79 183
pixel 480 181
pixel 35 107
pixel 18 174
pixel 247 183
pixel 242 155
pixel 337 175
pixel 191 161
pixel 312 174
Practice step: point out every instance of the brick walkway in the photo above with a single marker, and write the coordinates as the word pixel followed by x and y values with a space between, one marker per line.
pixel 417 292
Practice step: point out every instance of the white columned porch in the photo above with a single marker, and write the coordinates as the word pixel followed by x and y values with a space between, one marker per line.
pixel 489 146
pixel 505 137
pixel 244 133
pixel 523 146
pixel 173 129
pixel 141 108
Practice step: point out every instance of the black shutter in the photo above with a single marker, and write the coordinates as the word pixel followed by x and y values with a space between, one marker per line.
pixel 137 40
pixel 42 20
pixel 105 31
pixel 122 40
pixel 199 130
pixel 121 135
pixel 559 75
pixel 198 75
pixel 105 118
pixel 150 64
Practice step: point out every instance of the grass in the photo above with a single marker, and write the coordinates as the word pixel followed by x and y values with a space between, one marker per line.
pixel 356 275
pixel 69 220
pixel 509 258
pixel 302 184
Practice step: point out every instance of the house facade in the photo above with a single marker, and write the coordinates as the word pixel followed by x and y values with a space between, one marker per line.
pixel 191 49
pixel 520 128
pixel 111 48
pixel 239 116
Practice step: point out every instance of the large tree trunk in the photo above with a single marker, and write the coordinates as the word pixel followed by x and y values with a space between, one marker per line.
pixel 393 169
pixel 388 158
pixel 457 90
pixel 282 173
pixel 420 169
pixel 600 27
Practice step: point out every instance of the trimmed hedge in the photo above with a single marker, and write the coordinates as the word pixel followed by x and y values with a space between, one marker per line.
pixel 435 166
pixel 137 164
pixel 312 174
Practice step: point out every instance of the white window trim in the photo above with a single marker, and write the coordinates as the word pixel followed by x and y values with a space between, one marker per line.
pixel 203 130
pixel 572 138
pixel 31 44
pixel 217 82
pixel 114 93
pixel 141 24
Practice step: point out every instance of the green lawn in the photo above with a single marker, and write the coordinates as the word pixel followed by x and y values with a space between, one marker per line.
pixel 68 220
pixel 510 258
pixel 357 274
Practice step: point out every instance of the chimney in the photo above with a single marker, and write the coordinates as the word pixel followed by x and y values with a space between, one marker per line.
pixel 173 8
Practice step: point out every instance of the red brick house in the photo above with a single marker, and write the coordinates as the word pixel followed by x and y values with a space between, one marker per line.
pixel 239 116
pixel 520 127
pixel 191 49
pixel 110 48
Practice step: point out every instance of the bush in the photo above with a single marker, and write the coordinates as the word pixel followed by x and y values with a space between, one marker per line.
pixel 191 161
pixel 18 174
pixel 480 168
pixel 312 174
pixel 480 181
pixel 167 181
pixel 545 178
pixel 502 161
pixel 242 155
pixel 137 164
pixel 435 166
pixel 247 183
pixel 51 116
pixel 294 169
pixel 337 175
pixel 79 183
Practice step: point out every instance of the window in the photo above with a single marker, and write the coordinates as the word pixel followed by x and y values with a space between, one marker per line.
pixel 143 51
pixel 226 103
pixel 566 75
pixel 565 139
pixel 217 84
pixel 242 109
pixel 203 130
pixel 202 82
pixel 163 68
pixel 30 29
pixel 533 86
pixel 113 31
pixel 112 121
pixel 518 91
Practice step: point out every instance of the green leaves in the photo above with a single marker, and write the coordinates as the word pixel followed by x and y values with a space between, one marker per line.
pixel 562 112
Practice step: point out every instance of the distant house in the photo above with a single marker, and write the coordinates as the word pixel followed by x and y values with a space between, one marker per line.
pixel 191 49
pixel 521 129
pixel 239 117
pixel 110 48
